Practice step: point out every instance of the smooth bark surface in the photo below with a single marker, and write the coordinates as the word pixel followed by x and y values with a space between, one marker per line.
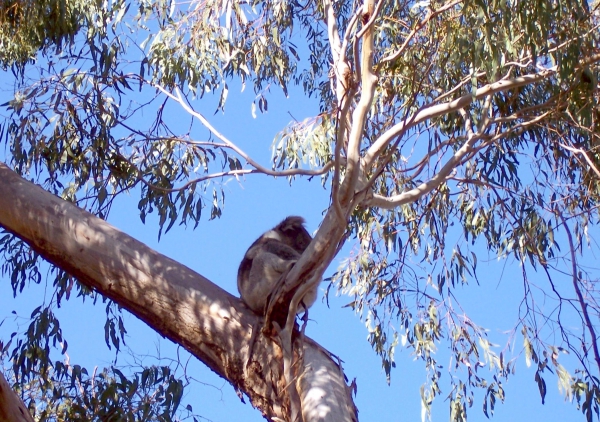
pixel 12 408
pixel 174 300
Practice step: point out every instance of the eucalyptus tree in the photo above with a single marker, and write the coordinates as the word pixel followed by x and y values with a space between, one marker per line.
pixel 445 128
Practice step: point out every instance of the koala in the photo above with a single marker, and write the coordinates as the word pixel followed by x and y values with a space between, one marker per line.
pixel 270 256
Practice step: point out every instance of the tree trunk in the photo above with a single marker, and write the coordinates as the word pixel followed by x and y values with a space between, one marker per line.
pixel 174 300
pixel 12 408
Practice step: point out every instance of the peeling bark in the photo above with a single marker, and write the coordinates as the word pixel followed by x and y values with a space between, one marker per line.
pixel 174 300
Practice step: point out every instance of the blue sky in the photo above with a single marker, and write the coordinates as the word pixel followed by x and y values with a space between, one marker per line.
pixel 215 249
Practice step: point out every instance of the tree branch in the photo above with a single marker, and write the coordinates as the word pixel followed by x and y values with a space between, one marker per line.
pixel 432 111
pixel 227 143
pixel 345 91
pixel 12 408
pixel 236 173
pixel 421 190
pixel 359 116
pixel 172 299
pixel 587 158
pixel 430 14
pixel 582 303
pixel 426 187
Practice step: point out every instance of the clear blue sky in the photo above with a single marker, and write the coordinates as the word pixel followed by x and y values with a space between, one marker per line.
pixel 215 249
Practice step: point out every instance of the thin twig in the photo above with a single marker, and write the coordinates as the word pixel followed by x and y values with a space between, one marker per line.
pixel 430 14
pixel 260 169
pixel 585 156
pixel 582 303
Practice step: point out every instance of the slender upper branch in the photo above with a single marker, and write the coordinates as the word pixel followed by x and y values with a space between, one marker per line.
pixel 237 173
pixel 432 111
pixel 582 302
pixel 332 31
pixel 342 74
pixel 426 187
pixel 228 144
pixel 430 14
pixel 585 155
pixel 359 116
pixel 341 68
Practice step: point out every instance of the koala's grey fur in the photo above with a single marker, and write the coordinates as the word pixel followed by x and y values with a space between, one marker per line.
pixel 271 255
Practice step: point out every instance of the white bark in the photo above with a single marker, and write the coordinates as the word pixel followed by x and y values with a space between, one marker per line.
pixel 323 397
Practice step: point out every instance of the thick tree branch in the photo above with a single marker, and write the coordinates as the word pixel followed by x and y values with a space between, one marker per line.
pixel 421 190
pixel 434 110
pixel 174 300
pixel 12 408
pixel 309 269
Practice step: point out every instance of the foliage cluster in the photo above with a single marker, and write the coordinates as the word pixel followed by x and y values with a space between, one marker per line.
pixel 28 26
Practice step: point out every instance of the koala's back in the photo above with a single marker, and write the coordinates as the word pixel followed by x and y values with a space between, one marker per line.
pixel 271 255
